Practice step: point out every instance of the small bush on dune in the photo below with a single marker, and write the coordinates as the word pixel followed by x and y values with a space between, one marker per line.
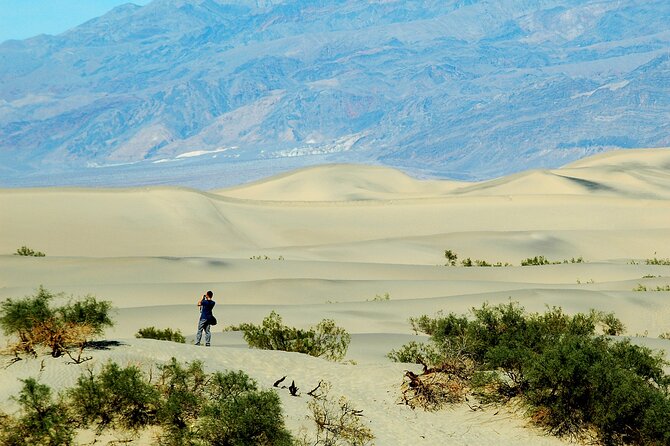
pixel 34 322
pixel 324 340
pixel 541 260
pixel 572 379
pixel 337 422
pixel 166 334
pixel 116 397
pixel 241 413
pixel 25 251
pixel 41 420
pixel 656 261
pixel 182 389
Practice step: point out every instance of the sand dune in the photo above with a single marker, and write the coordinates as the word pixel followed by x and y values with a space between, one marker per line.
pixel 324 243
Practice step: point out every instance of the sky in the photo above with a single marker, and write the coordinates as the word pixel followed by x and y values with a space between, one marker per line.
pixel 20 19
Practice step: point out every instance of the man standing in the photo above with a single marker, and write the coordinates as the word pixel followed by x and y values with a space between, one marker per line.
pixel 206 304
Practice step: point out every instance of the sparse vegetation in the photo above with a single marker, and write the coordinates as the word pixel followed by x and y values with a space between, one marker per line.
pixel 656 261
pixel 380 298
pixel 337 421
pixel 451 257
pixel 187 405
pixel 324 340
pixel 25 251
pixel 641 287
pixel 264 257
pixel 40 421
pixel 571 379
pixel 542 260
pixel 166 334
pixel 114 398
pixel 34 322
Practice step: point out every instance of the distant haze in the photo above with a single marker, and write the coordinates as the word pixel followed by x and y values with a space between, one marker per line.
pixel 210 93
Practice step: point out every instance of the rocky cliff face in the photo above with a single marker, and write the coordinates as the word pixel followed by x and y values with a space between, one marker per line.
pixel 464 89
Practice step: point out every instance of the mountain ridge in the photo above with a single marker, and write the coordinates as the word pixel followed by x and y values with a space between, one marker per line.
pixel 466 90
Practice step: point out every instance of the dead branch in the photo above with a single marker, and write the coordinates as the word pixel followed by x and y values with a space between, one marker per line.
pixel 293 390
pixel 311 392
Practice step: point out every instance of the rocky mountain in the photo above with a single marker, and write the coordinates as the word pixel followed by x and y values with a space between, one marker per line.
pixel 466 89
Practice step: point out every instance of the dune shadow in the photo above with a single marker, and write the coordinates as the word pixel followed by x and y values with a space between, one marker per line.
pixel 103 345
pixel 589 185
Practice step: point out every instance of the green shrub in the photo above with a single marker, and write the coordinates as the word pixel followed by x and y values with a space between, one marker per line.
pixel 182 391
pixel 324 340
pixel 380 298
pixel 656 261
pixel 166 334
pixel 541 260
pixel 572 379
pixel 467 262
pixel 190 406
pixel 25 251
pixel 416 353
pixel 641 287
pixel 41 421
pixel 451 257
pixel 116 397
pixel 218 409
pixel 591 382
pixel 241 414
pixel 34 322
pixel 535 261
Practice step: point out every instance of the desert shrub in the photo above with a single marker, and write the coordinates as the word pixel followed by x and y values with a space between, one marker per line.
pixel 324 340
pixel 535 261
pixel 591 382
pixel 25 251
pixel 237 413
pixel 542 260
pixel 451 257
pixel 416 353
pixel 438 386
pixel 656 261
pixel 188 405
pixel 41 420
pixel 36 323
pixel 182 390
pixel 572 379
pixel 380 298
pixel 116 397
pixel 166 334
pixel 218 409
pixel 20 317
pixel 610 324
pixel 337 422
pixel 641 287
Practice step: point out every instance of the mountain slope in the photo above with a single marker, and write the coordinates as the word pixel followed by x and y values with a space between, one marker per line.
pixel 466 90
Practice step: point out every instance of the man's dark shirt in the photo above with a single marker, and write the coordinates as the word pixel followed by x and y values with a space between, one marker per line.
pixel 206 308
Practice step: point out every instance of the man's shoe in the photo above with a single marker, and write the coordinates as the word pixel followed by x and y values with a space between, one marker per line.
pixel 206 345
pixel 198 344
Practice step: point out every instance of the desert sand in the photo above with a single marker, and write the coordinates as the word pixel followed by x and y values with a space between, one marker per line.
pixel 322 243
